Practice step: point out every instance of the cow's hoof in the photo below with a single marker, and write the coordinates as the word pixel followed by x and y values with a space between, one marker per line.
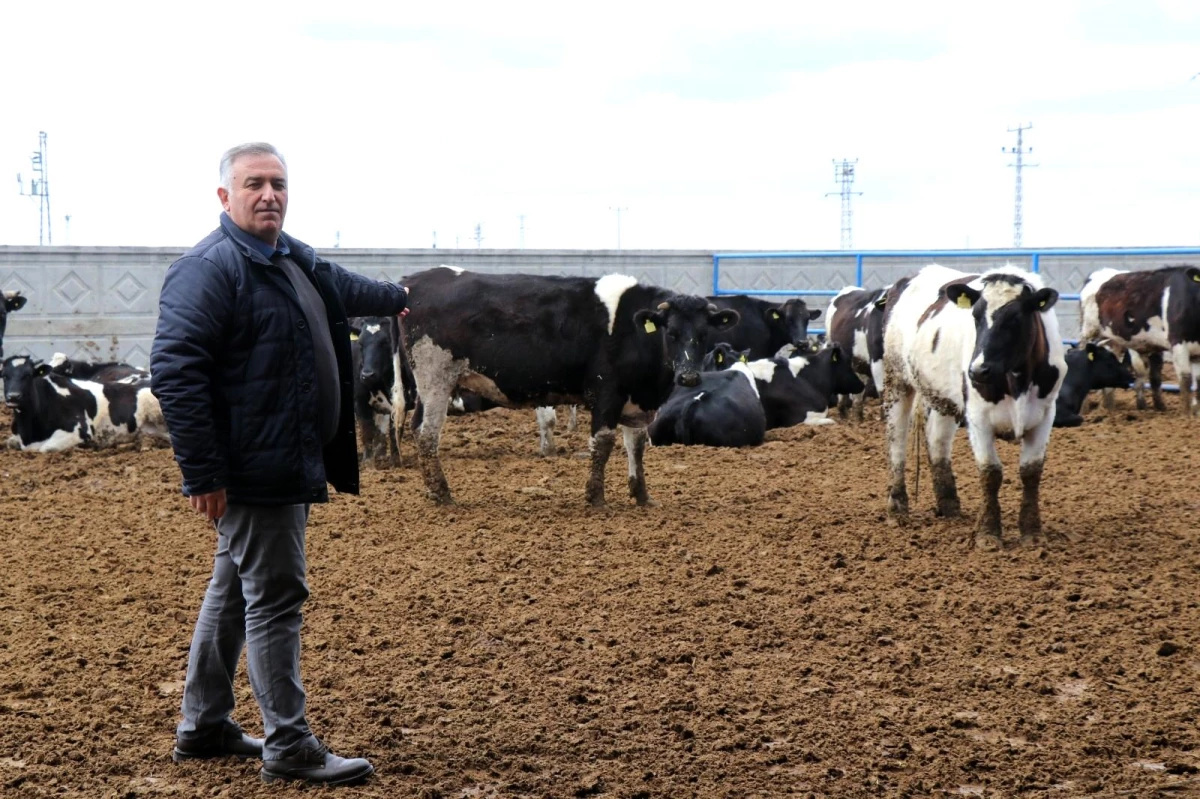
pixel 986 542
pixel 1159 405
pixel 897 506
pixel 948 510
pixel 1033 540
pixel 439 498
pixel 646 502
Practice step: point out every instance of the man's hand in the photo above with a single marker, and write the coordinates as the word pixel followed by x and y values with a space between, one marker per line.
pixel 404 313
pixel 212 505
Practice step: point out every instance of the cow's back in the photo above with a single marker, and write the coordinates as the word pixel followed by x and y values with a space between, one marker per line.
pixel 928 339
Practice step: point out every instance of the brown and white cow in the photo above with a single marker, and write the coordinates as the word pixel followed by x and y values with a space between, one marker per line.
pixel 984 349
pixel 1150 312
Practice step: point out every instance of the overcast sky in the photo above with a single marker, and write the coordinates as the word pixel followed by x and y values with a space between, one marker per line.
pixel 712 125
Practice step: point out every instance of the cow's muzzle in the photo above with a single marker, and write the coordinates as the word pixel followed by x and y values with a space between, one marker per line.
pixel 12 400
pixel 688 379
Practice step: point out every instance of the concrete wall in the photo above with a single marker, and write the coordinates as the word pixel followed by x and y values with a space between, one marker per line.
pixel 101 303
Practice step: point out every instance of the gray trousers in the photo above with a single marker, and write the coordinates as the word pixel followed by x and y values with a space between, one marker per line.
pixel 253 599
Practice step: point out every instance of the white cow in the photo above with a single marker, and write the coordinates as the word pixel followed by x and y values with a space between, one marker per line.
pixel 984 349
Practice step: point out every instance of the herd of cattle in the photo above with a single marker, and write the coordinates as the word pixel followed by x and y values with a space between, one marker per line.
pixel 940 347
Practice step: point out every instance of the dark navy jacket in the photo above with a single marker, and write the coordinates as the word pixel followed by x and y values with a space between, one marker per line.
pixel 233 368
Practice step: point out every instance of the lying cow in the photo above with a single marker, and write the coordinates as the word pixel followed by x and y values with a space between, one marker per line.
pixel 13 301
pixel 1150 312
pixel 797 390
pixel 764 327
pixel 854 320
pixel 104 372
pixel 609 343
pixel 981 348
pixel 722 410
pixel 723 356
pixel 52 412
pixel 371 347
pixel 1089 368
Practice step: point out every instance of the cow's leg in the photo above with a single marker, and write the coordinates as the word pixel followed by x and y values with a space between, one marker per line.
pixel 1181 357
pixel 1155 362
pixel 939 438
pixel 573 419
pixel 436 373
pixel 897 403
pixel 547 418
pixel 991 475
pixel 635 451
pixel 845 402
pixel 601 445
pixel 1033 456
pixel 383 435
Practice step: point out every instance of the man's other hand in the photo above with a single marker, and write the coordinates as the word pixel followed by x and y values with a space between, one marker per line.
pixel 212 505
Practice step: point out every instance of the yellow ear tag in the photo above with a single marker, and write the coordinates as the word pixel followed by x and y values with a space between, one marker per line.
pixel 650 328
pixel 742 358
pixel 774 314
pixel 833 357
pixel 720 358
pixel 353 336
pixel 964 301
pixel 1196 278
pixel 1091 356
pixel 1042 304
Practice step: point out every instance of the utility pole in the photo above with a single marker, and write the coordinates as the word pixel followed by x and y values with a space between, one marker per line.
pixel 1019 151
pixel 40 188
pixel 843 174
pixel 478 235
pixel 435 239
pixel 522 236
pixel 618 209
pixel 337 239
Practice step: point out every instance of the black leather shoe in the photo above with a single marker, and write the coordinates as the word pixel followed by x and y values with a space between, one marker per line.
pixel 229 741
pixel 318 766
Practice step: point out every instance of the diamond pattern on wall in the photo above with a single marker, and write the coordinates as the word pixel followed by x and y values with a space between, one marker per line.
pixel 72 289
pixel 129 289
pixel 13 282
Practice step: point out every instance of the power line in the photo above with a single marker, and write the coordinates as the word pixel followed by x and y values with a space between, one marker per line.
pixel 40 188
pixel 843 174
pixel 1019 151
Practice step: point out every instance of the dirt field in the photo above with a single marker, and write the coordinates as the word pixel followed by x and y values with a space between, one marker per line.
pixel 764 632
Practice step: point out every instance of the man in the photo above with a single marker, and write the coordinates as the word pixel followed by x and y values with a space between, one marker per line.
pixel 251 364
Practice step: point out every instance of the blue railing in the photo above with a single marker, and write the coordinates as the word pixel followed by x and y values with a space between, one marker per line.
pixel 1034 257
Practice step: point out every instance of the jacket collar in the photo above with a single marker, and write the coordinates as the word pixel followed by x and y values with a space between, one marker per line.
pixel 257 250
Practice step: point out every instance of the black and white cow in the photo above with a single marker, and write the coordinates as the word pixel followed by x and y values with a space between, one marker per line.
pixel 797 390
pixel 764 327
pixel 103 372
pixel 610 344
pixel 723 356
pixel 374 378
pixel 52 412
pixel 1089 367
pixel 854 320
pixel 1150 312
pixel 13 301
pixel 984 349
pixel 722 410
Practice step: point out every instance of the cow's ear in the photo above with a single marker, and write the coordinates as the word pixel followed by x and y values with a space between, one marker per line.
pixel 962 295
pixel 1194 275
pixel 42 369
pixel 1091 351
pixel 814 314
pixel 13 301
pixel 881 303
pixel 1042 300
pixel 744 356
pixel 647 320
pixel 723 320
pixel 719 357
pixel 835 353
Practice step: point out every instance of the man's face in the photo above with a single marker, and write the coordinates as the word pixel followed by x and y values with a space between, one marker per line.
pixel 258 201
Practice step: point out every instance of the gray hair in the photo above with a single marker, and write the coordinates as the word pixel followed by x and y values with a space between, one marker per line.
pixel 250 148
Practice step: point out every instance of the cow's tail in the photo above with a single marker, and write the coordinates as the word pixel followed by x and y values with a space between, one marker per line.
pixel 919 433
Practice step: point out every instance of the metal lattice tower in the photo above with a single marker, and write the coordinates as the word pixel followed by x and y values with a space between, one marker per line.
pixel 1019 151
pixel 843 175
pixel 40 187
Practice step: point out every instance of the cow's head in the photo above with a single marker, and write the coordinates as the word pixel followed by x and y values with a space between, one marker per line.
pixel 1107 370
pixel 19 372
pixel 372 337
pixel 845 380
pixel 13 301
pixel 684 323
pixel 788 322
pixel 723 355
pixel 1010 339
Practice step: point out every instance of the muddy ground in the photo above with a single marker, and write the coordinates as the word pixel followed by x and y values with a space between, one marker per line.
pixel 764 632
